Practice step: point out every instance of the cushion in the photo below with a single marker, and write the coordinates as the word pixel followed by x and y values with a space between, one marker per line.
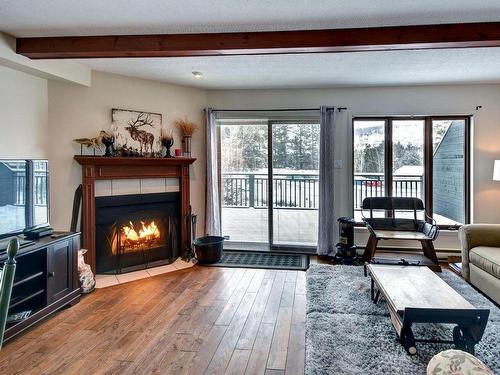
pixel 456 362
pixel 487 258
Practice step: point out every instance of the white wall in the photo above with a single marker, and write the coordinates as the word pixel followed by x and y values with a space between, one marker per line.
pixel 417 100
pixel 76 111
pixel 23 115
pixel 41 121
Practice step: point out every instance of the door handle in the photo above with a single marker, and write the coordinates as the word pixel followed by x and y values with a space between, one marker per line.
pixel 52 274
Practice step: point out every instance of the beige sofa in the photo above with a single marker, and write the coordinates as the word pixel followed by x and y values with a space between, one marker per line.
pixel 481 257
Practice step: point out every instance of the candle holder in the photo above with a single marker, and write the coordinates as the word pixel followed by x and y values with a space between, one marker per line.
pixel 167 141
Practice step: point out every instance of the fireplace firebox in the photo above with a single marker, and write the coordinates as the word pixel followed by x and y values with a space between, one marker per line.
pixel 135 232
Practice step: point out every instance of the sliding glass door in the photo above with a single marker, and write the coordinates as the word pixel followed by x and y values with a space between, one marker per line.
pixel 259 215
pixel 295 164
pixel 243 147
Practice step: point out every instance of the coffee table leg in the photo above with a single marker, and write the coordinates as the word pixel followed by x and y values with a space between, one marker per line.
pixel 463 339
pixel 408 340
pixel 377 296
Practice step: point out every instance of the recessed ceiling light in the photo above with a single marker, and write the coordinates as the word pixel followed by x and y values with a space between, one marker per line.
pixel 197 74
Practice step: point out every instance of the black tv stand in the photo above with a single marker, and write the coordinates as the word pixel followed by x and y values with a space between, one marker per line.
pixel 45 281
pixel 23 242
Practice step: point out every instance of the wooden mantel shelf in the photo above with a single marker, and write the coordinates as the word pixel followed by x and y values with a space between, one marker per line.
pixel 119 160
pixel 107 168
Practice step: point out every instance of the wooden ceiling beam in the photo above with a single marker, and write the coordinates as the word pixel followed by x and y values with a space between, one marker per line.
pixel 465 35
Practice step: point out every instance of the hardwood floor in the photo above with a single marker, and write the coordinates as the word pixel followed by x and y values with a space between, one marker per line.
pixel 203 320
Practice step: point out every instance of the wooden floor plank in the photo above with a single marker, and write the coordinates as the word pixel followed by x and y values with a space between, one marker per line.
pixel 279 346
pixel 273 304
pixel 204 320
pixel 202 359
pixel 260 352
pixel 238 362
pixel 249 332
pixel 296 352
pixel 234 301
pixel 300 287
pixel 228 343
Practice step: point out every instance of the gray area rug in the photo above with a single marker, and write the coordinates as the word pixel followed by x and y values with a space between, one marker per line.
pixel 347 334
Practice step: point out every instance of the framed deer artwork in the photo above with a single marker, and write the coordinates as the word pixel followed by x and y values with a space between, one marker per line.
pixel 137 132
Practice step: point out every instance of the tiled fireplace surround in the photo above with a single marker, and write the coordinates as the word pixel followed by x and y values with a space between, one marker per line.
pixel 106 188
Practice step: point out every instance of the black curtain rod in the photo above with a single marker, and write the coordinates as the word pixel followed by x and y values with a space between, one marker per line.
pixel 276 110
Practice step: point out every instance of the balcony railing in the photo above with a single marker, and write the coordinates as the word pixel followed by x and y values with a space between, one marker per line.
pixel 301 191
pixel 373 185
pixel 39 189
pixel 298 191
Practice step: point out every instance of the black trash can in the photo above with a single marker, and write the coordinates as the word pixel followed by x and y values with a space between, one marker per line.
pixel 208 249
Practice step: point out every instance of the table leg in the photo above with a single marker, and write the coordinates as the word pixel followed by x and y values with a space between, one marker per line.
pixel 463 339
pixel 430 252
pixel 371 248
pixel 408 340
pixel 377 296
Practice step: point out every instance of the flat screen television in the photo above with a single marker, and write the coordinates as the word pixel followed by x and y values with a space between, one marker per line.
pixel 24 195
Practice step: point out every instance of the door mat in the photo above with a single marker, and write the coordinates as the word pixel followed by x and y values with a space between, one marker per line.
pixel 247 259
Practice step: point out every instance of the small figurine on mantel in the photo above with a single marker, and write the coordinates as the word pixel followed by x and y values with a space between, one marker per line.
pixel 108 140
pixel 167 141
pixel 95 143
pixel 105 138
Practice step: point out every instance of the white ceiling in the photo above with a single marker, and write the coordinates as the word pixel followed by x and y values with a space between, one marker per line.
pixel 480 65
pixel 91 17
pixel 98 17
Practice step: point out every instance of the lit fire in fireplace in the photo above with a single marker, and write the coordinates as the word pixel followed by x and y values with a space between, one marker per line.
pixel 147 235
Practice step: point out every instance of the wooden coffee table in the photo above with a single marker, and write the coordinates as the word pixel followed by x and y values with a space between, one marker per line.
pixel 418 295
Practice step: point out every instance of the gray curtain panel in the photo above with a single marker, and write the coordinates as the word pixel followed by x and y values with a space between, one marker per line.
pixel 212 209
pixel 327 221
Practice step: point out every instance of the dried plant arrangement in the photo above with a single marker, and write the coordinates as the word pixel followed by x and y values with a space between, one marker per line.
pixel 186 127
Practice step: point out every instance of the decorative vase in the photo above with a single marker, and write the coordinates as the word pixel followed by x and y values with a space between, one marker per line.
pixel 167 143
pixel 186 146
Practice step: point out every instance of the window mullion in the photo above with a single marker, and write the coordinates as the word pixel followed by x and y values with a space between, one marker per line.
pixel 467 169
pixel 428 165
pixel 388 157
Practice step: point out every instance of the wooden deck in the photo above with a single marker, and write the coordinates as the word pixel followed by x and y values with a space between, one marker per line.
pixel 195 321
pixel 291 226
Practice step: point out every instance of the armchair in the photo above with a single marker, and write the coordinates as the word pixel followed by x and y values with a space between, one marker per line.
pixel 481 257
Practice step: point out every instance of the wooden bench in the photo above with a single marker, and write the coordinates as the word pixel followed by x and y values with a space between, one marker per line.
pixel 389 227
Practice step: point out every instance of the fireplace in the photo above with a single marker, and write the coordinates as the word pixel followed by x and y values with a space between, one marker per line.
pixel 137 231
pixel 98 168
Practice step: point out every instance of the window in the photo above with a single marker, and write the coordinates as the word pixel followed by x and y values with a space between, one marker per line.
pixel 423 157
